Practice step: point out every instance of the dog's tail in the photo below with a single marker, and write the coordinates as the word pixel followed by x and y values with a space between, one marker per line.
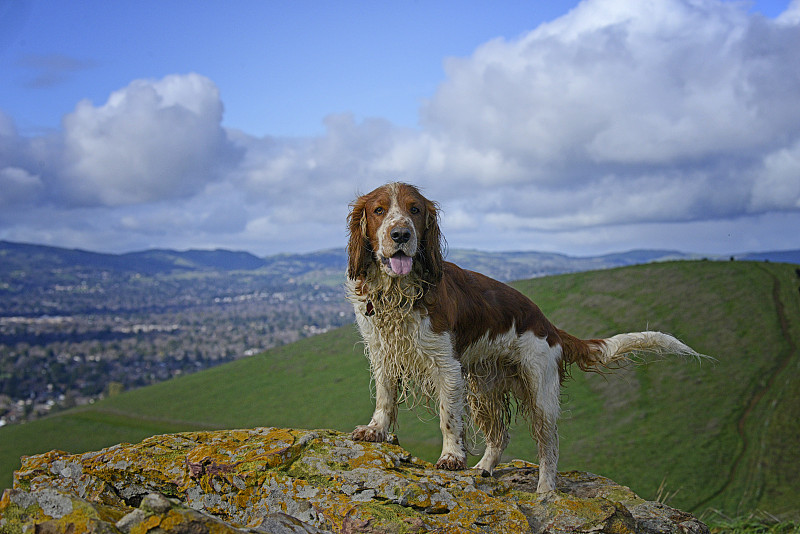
pixel 597 354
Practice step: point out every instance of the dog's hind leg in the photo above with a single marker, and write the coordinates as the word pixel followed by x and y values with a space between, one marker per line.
pixel 490 410
pixel 538 389
pixel 546 431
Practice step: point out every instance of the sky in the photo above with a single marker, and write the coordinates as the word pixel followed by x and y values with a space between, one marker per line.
pixel 575 127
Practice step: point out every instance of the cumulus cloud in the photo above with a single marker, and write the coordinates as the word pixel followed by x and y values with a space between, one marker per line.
pixel 152 140
pixel 150 156
pixel 632 111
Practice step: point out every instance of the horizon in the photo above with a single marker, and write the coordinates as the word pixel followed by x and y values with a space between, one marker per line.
pixel 578 127
pixel 343 249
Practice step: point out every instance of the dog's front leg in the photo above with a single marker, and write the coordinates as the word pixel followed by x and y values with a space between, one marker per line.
pixel 385 413
pixel 450 390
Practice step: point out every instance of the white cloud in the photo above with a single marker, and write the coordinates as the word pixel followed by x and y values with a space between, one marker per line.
pixel 777 185
pixel 791 15
pixel 150 141
pixel 623 112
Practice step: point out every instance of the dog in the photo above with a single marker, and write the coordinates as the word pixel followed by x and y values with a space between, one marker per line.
pixel 465 342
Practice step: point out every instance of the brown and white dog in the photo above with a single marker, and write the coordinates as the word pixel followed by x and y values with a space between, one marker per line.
pixel 459 338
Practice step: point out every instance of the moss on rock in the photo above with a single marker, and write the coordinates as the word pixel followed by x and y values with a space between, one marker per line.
pixel 289 480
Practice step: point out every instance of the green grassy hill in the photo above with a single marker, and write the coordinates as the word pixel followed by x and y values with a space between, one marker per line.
pixel 712 436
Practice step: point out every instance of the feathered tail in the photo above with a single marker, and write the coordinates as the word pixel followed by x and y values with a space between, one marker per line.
pixel 595 354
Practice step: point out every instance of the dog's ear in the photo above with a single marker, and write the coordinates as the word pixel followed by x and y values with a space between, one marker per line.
pixel 432 244
pixel 358 247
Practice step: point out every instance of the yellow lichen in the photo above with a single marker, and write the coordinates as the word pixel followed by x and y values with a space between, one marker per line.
pixel 148 523
pixel 321 477
pixel 371 458
pixel 171 520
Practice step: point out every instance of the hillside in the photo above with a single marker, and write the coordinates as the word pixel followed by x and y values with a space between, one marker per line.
pixel 717 436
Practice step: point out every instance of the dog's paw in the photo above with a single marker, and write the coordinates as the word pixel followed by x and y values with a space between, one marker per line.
pixel 369 433
pixel 485 468
pixel 451 462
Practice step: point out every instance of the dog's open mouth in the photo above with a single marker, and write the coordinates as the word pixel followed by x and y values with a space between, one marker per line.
pixel 399 263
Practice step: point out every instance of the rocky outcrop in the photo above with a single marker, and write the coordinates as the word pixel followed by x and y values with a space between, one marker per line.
pixel 299 481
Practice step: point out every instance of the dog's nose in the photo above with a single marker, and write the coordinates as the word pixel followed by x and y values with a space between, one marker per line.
pixel 401 235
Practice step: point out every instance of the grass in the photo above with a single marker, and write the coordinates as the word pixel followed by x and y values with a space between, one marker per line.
pixel 709 436
pixel 756 523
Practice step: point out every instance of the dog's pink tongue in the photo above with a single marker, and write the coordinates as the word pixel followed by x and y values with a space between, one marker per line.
pixel 401 264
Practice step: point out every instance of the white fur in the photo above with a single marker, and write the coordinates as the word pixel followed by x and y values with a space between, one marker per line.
pixel 621 345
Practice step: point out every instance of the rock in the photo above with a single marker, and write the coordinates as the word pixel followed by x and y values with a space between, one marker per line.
pixel 274 480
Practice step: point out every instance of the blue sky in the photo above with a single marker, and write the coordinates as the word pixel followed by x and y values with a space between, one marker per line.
pixel 573 127
pixel 280 66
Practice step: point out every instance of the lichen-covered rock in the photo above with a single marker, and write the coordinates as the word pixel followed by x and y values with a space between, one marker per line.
pixel 298 481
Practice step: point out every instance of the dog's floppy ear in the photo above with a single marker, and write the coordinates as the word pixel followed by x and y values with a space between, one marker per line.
pixel 359 248
pixel 431 244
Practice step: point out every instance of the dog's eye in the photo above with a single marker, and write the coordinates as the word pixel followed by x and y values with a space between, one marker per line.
pixel 414 210
pixel 378 211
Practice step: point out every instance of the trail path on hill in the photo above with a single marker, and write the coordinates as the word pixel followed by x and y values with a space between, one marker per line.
pixel 760 392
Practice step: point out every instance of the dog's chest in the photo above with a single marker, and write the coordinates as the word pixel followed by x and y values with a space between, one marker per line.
pixel 402 336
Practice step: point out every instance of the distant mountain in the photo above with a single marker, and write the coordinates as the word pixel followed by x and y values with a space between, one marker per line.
pixel 41 259
pixel 219 259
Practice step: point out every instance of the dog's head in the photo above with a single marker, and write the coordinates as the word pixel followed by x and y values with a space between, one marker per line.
pixel 397 228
